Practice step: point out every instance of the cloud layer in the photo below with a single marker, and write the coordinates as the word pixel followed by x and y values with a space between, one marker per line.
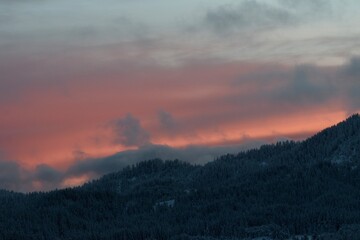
pixel 84 80
pixel 211 105
pixel 44 177
pixel 248 15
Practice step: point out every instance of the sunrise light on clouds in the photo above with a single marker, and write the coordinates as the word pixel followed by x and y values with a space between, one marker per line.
pixel 82 80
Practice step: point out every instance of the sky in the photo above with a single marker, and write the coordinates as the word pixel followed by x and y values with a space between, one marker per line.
pixel 90 86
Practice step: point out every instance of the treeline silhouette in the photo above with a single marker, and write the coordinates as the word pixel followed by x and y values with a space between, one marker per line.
pixel 309 188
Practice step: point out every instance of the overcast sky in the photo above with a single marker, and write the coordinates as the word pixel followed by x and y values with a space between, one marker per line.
pixel 81 80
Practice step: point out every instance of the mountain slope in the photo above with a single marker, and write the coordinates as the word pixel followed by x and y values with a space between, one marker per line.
pixel 278 191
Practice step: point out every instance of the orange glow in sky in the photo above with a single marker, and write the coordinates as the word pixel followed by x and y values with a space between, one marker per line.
pixel 94 80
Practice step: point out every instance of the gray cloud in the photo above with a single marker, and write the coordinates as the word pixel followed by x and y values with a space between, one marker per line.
pixel 14 177
pixel 298 86
pixel 255 15
pixel 10 175
pixel 278 90
pixel 167 122
pixel 19 1
pixel 97 166
pixel 4 18
pixel 306 84
pixel 352 69
pixel 45 173
pixel 129 132
pixel 354 103
pixel 248 15
pixel 48 177
pixel 350 74
pixel 309 6
pixel 193 154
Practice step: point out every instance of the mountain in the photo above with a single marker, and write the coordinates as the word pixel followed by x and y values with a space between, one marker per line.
pixel 279 191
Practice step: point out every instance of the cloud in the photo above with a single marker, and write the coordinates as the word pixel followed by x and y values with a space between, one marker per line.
pixel 248 15
pixel 129 132
pixel 309 6
pixel 279 90
pixel 44 177
pixel 20 1
pixel 15 177
pixel 167 122
pixel 225 102
pixel 95 167
pixel 306 84
pixel 10 175
pixel 45 173
pixel 93 62
pixel 350 73
pixel 194 154
pixel 254 15
pixel 317 85
pixel 352 69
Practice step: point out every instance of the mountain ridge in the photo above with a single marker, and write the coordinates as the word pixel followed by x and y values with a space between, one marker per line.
pixel 278 191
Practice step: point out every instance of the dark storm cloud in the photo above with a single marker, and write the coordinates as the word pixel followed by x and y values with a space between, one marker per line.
pixel 129 132
pixel 248 15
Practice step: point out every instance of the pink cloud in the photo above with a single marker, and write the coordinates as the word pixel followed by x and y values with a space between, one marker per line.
pixel 60 106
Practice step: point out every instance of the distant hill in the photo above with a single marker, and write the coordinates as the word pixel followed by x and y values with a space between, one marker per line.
pixel 285 190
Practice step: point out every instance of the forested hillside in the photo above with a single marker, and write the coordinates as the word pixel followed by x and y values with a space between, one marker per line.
pixel 279 191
